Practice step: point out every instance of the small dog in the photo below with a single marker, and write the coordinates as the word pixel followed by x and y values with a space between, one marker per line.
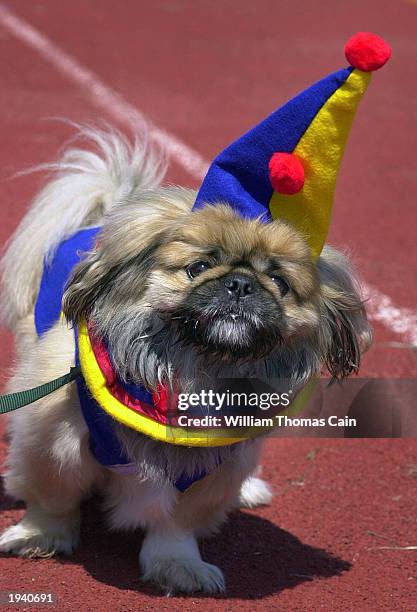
pixel 179 297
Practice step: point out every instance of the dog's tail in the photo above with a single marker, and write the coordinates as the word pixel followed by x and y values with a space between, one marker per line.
pixel 86 183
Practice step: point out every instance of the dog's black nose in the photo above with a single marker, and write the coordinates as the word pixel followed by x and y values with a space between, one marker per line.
pixel 239 286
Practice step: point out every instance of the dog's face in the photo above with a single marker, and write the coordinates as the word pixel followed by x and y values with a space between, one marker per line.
pixel 163 279
pixel 233 287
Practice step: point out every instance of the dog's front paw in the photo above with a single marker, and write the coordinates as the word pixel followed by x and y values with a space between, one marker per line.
pixel 173 563
pixel 40 537
pixel 255 492
pixel 185 576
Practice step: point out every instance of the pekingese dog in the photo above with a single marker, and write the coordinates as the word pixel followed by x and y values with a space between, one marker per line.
pixel 177 296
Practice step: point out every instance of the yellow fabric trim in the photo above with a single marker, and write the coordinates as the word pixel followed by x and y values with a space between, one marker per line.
pixel 96 384
pixel 320 150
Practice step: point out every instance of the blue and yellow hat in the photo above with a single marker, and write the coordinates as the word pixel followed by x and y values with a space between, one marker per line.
pixel 286 167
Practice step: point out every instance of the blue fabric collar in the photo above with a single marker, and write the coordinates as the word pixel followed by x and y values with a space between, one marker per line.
pixel 103 441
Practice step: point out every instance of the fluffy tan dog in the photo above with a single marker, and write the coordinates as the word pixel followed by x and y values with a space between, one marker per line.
pixel 178 296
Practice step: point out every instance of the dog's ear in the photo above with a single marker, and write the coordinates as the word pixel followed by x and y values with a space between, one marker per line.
pixel 124 253
pixel 106 271
pixel 345 332
pixel 88 281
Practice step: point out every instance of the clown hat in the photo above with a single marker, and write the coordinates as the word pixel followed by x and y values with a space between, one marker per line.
pixel 286 166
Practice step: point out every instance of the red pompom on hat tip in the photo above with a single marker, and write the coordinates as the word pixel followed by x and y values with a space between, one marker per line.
pixel 286 173
pixel 367 51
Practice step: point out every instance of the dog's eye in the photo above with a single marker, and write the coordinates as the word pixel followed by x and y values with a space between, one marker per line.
pixel 281 284
pixel 198 267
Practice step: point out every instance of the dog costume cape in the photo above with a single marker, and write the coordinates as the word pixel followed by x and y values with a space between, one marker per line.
pixel 284 168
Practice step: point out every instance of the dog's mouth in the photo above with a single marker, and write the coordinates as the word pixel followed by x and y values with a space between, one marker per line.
pixel 231 332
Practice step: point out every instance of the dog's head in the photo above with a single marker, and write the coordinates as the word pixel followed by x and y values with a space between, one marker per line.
pixel 162 279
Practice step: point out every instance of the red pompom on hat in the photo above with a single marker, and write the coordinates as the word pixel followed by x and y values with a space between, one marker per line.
pixel 367 51
pixel 286 173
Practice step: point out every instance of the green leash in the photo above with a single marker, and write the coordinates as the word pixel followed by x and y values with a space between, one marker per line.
pixel 13 401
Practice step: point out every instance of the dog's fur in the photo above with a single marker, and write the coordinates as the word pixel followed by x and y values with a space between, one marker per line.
pixel 161 325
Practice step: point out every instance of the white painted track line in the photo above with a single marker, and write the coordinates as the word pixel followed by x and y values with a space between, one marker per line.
pixel 100 94
pixel 401 321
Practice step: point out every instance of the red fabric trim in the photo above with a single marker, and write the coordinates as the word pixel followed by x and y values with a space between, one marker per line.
pixel 157 411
